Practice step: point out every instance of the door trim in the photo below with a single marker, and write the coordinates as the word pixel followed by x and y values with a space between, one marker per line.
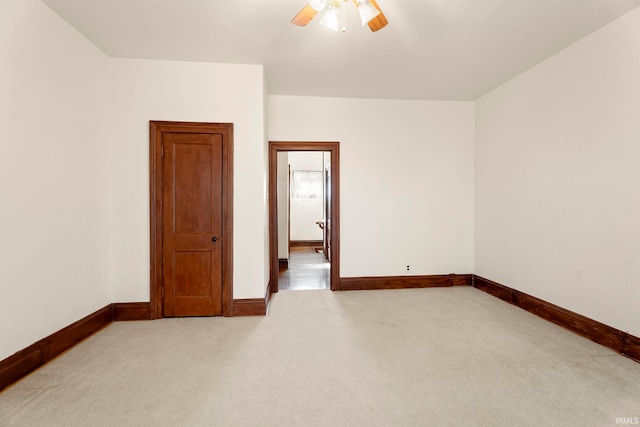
pixel 334 149
pixel 156 129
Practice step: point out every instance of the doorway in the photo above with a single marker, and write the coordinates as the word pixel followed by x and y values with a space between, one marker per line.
pixel 329 226
pixel 191 184
pixel 303 202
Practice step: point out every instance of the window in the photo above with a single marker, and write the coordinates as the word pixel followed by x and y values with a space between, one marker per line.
pixel 306 185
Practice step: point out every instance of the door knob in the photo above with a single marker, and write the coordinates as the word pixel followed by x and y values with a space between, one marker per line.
pixel 214 239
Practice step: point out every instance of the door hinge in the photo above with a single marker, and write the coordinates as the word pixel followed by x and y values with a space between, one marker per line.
pixel 163 291
pixel 162 154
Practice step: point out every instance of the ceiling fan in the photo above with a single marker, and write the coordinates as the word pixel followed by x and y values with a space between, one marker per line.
pixel 334 11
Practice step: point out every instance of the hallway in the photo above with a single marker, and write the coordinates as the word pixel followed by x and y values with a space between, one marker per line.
pixel 308 269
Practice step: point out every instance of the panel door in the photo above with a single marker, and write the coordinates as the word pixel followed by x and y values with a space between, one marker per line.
pixel 192 209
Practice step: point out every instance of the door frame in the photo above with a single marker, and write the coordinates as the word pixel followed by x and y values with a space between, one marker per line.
pixel 334 149
pixel 326 236
pixel 156 129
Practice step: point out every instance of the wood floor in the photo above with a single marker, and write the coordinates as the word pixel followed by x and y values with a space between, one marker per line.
pixel 308 269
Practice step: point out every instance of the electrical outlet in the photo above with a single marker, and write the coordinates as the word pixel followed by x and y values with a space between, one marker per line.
pixel 408 268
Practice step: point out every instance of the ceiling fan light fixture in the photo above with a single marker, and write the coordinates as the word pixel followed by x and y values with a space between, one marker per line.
pixel 317 5
pixel 367 11
pixel 333 16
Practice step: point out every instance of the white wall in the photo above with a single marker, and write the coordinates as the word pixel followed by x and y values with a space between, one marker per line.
pixel 556 200
pixel 305 212
pixel 557 176
pixel 144 90
pixel 266 247
pixel 283 205
pixel 406 179
pixel 54 175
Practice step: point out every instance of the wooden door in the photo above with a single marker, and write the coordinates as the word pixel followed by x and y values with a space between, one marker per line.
pixel 195 225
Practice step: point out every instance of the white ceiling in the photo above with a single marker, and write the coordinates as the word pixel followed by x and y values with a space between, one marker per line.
pixel 431 49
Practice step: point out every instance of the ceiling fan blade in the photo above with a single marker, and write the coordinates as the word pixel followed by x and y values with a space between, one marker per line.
pixel 380 21
pixel 304 16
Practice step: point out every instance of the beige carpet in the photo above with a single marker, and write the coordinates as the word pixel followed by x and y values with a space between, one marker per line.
pixel 423 357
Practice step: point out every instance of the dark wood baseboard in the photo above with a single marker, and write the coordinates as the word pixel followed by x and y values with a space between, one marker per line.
pixel 632 347
pixel 249 307
pixel 600 333
pixel 123 311
pixel 304 243
pixel 283 263
pixel 404 282
pixel 29 359
pixel 252 306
